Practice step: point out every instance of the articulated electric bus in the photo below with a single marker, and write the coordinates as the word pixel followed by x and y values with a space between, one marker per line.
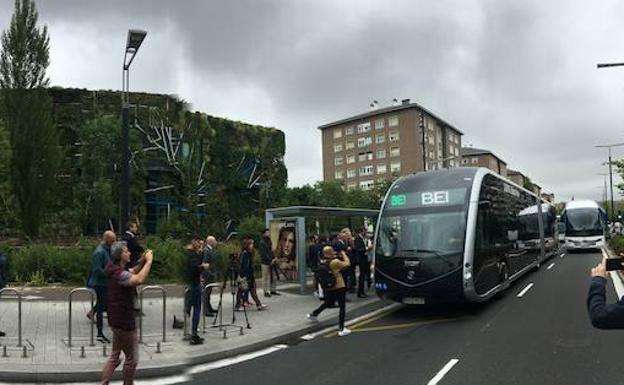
pixel 457 234
pixel 585 223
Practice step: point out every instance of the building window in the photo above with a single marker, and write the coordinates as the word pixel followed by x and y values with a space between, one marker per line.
pixel 349 130
pixel 381 154
pixel 379 124
pixel 367 184
pixel 351 186
pixel 474 160
pixel 351 173
pixel 431 154
pixel 350 159
pixel 349 145
pixel 381 168
pixel 395 166
pixel 364 156
pixel 338 160
pixel 393 121
pixel 338 174
pixel 395 151
pixel 338 147
pixel 363 128
pixel 393 136
pixel 366 170
pixel 464 161
pixel 430 139
pixel 380 139
pixel 338 133
pixel 364 141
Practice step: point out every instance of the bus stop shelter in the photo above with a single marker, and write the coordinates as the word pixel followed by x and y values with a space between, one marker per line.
pixel 290 228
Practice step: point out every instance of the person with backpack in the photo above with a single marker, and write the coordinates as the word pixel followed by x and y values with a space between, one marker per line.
pixel 332 282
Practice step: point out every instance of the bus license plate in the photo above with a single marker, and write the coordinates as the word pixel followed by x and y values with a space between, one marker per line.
pixel 414 300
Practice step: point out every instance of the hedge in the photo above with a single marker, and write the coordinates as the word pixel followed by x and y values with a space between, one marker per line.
pixel 40 264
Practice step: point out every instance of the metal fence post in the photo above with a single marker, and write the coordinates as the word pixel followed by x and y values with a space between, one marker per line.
pixel 69 328
pixel 19 312
pixel 164 316
pixel 204 301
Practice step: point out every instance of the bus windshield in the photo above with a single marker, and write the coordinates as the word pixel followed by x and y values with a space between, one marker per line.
pixel 426 235
pixel 583 222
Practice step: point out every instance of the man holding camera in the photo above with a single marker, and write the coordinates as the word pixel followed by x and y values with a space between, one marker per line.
pixel 601 314
pixel 121 292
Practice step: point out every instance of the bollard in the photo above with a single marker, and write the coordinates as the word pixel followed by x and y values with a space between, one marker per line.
pixel 203 305
pixel 25 353
pixel 82 352
pixel 4 351
pixel 69 328
pixel 104 350
pixel 164 315
pixel 19 312
pixel 158 347
pixel 185 334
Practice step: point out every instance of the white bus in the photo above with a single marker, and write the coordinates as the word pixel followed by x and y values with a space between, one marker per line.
pixel 585 225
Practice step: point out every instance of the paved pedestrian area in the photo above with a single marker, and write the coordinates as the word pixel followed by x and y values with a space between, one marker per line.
pixel 49 358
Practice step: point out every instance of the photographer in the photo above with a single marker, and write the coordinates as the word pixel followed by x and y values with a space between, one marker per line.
pixel 121 293
pixel 601 314
pixel 195 267
pixel 333 284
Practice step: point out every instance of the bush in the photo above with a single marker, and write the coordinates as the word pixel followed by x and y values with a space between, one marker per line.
pixel 250 227
pixel 617 244
pixel 40 263
pixel 169 259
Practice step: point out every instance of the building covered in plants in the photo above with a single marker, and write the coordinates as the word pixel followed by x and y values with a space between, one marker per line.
pixel 189 171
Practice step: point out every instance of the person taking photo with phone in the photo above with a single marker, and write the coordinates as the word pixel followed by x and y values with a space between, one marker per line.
pixel 601 314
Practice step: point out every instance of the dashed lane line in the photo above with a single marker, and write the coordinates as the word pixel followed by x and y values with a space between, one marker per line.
pixel 235 360
pixel 527 288
pixel 440 375
pixel 550 266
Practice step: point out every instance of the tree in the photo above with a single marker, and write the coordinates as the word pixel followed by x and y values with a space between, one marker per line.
pixel 27 113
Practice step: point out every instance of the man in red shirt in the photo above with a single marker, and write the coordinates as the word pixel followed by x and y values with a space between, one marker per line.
pixel 121 293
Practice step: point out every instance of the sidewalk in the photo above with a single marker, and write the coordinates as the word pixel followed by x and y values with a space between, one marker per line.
pixel 49 359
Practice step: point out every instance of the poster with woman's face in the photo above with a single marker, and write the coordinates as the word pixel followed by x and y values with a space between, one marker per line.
pixel 284 239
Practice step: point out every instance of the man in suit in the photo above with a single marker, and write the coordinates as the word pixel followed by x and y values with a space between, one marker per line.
pixel 130 237
pixel 361 256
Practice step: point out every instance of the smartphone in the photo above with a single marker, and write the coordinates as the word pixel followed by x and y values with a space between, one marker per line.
pixel 615 264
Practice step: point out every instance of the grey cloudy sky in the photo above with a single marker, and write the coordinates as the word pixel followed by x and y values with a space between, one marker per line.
pixel 517 77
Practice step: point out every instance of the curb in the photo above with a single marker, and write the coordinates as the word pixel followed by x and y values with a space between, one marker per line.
pixel 176 368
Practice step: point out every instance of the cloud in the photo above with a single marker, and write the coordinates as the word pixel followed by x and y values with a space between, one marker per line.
pixel 516 77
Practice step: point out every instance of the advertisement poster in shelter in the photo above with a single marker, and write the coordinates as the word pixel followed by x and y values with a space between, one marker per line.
pixel 284 239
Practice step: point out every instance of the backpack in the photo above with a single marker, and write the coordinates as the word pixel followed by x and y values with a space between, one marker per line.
pixel 325 276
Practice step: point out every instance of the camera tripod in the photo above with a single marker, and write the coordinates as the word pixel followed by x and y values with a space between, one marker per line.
pixel 229 277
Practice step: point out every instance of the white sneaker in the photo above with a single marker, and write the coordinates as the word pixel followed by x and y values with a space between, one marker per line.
pixel 344 332
pixel 311 317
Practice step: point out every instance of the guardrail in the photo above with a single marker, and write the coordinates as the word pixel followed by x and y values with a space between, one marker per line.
pixel 19 312
pixel 164 315
pixel 69 328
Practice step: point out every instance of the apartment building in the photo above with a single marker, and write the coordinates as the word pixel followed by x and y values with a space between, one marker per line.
pixel 477 157
pixel 386 143
pixel 520 179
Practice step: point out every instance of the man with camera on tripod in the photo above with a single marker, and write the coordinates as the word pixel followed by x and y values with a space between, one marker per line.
pixel 194 268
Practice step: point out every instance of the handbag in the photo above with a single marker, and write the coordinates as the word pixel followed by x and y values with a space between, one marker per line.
pixel 242 283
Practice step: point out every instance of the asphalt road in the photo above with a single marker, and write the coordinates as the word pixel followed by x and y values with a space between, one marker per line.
pixel 542 337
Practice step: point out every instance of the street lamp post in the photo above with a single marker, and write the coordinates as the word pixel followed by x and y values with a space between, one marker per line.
pixel 135 38
pixel 611 173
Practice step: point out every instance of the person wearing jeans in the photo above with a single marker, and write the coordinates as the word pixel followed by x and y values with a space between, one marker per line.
pixel 195 267
pixel 338 293
pixel 121 293
pixel 97 281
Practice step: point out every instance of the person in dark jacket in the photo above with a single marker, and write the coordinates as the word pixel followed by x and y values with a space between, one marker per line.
pixel 194 268
pixel 313 257
pixel 131 239
pixel 3 278
pixel 601 314
pixel 361 256
pixel 267 262
pixel 97 281
pixel 208 275
pixel 121 284
pixel 247 272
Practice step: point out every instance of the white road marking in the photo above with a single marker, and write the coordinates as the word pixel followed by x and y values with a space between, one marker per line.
pixel 527 288
pixel 235 360
pixel 361 318
pixel 561 256
pixel 164 381
pixel 550 266
pixel 443 372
